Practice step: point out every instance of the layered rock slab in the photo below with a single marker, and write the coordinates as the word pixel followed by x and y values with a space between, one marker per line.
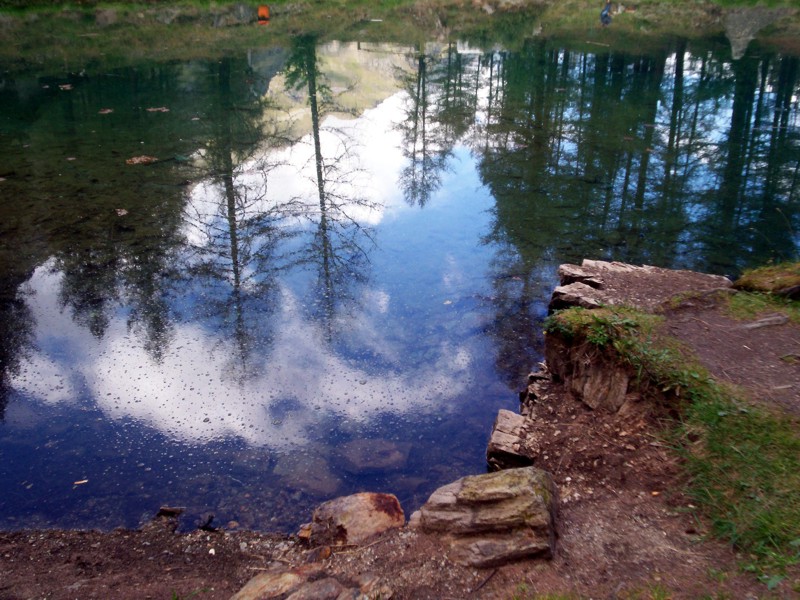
pixel 513 442
pixel 596 283
pixel 493 519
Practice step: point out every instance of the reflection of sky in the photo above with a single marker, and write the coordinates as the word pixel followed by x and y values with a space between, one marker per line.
pixel 190 395
pixel 187 395
pixel 366 150
pixel 398 358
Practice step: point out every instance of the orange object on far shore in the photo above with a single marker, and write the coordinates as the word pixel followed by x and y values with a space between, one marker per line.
pixel 263 14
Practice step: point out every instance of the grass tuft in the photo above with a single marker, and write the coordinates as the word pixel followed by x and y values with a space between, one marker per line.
pixel 771 279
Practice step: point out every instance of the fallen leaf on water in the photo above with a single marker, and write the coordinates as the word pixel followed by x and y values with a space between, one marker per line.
pixel 2 178
pixel 81 482
pixel 158 109
pixel 141 160
pixel 65 86
pixel 105 111
pixel 195 118
pixel 448 301
pixel 121 212
pixel 71 158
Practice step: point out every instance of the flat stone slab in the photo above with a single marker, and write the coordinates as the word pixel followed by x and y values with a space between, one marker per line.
pixel 595 283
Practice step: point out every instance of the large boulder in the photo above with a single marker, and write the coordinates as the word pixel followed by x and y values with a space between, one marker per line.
pixel 495 518
pixel 743 24
pixel 354 519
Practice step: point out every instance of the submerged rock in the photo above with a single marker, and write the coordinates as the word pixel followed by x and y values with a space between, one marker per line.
pixel 372 456
pixel 495 518
pixel 310 473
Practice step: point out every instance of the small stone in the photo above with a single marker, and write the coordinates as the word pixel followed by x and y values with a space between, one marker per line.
pixel 318 554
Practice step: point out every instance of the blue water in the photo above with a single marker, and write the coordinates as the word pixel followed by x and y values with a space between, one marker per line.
pixel 248 326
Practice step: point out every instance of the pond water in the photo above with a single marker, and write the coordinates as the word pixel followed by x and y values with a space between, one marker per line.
pixel 248 285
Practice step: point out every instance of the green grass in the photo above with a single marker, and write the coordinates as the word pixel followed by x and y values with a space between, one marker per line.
pixel 760 292
pixel 523 593
pixel 743 462
pixel 751 305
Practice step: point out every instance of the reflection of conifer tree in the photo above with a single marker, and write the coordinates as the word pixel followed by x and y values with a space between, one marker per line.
pixel 754 204
pixel 777 206
pixel 16 336
pixel 238 258
pixel 458 79
pixel 89 284
pixel 423 146
pixel 339 248
pixel 110 256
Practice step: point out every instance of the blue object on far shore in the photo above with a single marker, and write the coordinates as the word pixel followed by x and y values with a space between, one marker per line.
pixel 605 15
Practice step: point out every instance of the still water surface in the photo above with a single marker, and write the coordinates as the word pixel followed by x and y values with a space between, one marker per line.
pixel 335 272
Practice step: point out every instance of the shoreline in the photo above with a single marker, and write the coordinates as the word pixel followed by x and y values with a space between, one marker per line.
pixel 625 519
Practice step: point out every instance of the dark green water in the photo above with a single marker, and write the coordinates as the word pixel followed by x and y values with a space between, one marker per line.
pixel 335 272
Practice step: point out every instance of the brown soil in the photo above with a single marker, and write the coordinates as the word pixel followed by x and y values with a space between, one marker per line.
pixel 626 530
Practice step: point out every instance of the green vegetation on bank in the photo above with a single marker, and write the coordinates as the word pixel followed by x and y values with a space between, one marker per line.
pixel 767 290
pixel 71 36
pixel 80 4
pixel 743 461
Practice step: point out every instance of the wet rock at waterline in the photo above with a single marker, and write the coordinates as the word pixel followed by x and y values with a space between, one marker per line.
pixel 495 518
pixel 512 443
pixel 353 519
